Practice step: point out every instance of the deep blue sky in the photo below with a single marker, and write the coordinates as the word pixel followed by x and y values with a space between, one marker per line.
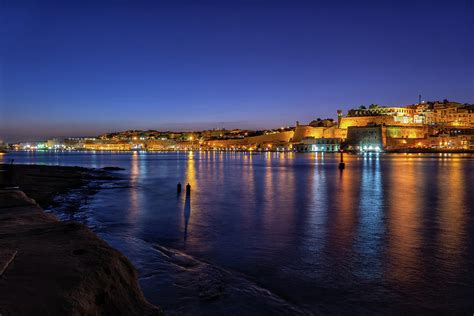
pixel 86 67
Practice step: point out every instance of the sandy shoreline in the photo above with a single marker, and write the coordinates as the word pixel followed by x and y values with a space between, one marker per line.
pixel 53 267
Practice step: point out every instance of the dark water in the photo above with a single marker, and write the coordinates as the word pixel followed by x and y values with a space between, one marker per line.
pixel 289 233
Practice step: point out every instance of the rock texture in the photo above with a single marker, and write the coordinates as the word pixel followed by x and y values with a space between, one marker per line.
pixel 42 183
pixel 49 267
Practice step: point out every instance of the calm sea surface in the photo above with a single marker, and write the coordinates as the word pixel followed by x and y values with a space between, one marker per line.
pixel 288 233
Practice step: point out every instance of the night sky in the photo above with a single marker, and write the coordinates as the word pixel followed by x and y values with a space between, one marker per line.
pixel 82 68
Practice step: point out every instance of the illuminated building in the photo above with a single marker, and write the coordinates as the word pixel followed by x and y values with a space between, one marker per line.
pixel 108 145
pixel 361 138
pixel 318 145
pixel 450 114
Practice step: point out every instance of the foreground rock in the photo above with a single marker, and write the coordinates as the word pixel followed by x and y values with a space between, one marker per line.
pixel 55 268
pixel 43 183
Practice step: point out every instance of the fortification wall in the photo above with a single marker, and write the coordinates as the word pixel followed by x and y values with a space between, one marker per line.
pixel 366 135
pixel 329 132
pixel 303 131
pixel 365 120
pixel 340 133
pixel 270 138
pixel 226 143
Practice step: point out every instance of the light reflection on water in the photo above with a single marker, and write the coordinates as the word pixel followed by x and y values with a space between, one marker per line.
pixel 389 233
pixel 404 205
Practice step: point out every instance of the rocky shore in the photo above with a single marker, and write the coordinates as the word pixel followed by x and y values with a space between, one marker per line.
pixel 52 267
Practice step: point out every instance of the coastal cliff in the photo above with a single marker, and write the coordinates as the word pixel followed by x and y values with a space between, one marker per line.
pixel 52 267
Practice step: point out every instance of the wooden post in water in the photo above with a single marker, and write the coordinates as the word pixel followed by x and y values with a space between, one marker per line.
pixel 342 165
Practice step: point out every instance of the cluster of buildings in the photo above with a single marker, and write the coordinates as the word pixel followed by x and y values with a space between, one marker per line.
pixel 424 126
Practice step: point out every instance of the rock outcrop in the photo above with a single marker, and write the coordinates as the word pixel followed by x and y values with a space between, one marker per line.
pixel 48 267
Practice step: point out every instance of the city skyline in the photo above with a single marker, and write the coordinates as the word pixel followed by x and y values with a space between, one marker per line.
pixel 229 126
pixel 89 68
pixel 427 126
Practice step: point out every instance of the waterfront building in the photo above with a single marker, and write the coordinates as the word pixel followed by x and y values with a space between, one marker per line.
pixel 310 144
pixel 366 138
pixel 77 143
pixel 377 137
pixel 450 114
pixel 461 142
pixel 160 145
pixel 403 115
pixel 108 145
pixel 413 126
